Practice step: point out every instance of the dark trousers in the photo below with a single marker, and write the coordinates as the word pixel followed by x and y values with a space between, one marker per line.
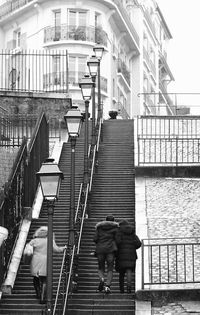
pixel 128 272
pixel 104 259
pixel 40 287
pixel 122 273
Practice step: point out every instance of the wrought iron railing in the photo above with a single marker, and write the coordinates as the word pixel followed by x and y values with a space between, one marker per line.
pixel 168 140
pixel 122 68
pixel 170 261
pixel 19 191
pixel 14 127
pixel 11 6
pixel 73 32
pixel 12 202
pixel 76 76
pixel 34 70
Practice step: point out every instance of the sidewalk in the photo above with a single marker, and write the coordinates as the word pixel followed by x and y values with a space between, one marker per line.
pixel 168 208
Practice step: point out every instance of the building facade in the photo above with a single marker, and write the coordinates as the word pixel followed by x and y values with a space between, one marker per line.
pixel 134 72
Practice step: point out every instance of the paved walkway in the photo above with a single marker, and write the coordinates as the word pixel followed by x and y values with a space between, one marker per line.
pixel 171 208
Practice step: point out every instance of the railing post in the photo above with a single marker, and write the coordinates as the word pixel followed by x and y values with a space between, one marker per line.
pixel 142 261
pixel 176 151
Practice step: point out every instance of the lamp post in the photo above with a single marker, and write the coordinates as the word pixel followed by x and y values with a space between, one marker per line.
pixel 98 50
pixel 73 123
pixel 93 64
pixel 50 178
pixel 86 86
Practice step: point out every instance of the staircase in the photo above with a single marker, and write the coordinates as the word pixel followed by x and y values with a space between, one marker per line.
pixel 113 192
pixel 23 299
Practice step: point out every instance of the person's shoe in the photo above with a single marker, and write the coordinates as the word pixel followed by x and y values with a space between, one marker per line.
pixel 101 285
pixel 107 289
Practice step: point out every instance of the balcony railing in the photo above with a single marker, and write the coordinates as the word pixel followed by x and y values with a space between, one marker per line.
pixel 149 61
pixel 34 71
pixel 11 6
pixel 122 68
pixel 72 32
pixel 75 77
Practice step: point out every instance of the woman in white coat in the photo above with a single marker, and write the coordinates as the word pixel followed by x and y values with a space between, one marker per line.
pixel 38 265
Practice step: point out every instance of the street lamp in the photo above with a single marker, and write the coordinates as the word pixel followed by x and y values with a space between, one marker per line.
pixel 50 178
pixel 93 63
pixel 86 86
pixel 99 50
pixel 73 123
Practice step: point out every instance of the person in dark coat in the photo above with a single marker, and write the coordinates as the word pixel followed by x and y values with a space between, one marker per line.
pixel 105 250
pixel 38 265
pixel 127 243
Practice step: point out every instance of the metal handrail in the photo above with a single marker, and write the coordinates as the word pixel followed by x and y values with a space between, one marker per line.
pixel 64 256
pixel 99 133
pixel 69 280
pixel 59 281
pixel 95 153
pixel 82 220
pixel 73 253
pixel 79 199
pixel 92 168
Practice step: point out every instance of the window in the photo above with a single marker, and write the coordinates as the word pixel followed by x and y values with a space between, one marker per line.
pixel 77 69
pixel 114 88
pixel 152 55
pixel 57 24
pixel 77 18
pixel 145 84
pixel 77 24
pixel 56 70
pixel 17 38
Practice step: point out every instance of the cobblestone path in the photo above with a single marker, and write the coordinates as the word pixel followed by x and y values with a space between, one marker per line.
pixel 173 211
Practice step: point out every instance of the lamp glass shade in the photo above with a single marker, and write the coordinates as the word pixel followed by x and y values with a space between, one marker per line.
pixel 50 186
pixel 93 65
pixel 73 120
pixel 50 179
pixel 98 50
pixel 86 86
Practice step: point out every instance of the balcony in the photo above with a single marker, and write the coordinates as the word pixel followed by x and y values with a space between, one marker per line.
pixel 149 62
pixel 76 76
pixel 11 6
pixel 122 68
pixel 71 32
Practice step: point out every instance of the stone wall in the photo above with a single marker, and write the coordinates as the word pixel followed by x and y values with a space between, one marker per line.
pixel 7 158
pixel 55 105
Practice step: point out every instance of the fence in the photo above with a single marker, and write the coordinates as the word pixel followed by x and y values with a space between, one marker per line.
pixel 13 128
pixel 170 261
pixel 34 71
pixel 169 140
pixel 19 191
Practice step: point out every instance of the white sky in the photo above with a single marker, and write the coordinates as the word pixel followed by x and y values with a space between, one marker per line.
pixel 183 20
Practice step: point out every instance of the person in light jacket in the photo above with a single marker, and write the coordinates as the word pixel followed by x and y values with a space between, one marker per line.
pixel 127 243
pixel 38 265
pixel 104 238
